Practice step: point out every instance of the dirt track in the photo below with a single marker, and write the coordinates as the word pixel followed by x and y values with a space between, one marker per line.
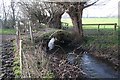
pixel 5 37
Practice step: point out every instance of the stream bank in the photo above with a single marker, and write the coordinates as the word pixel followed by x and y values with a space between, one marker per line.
pixel 57 61
pixel 107 55
pixel 96 68
pixel 103 45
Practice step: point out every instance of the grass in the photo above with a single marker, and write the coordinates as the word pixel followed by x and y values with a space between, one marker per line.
pixel 106 37
pixel 103 43
pixel 103 37
pixel 7 31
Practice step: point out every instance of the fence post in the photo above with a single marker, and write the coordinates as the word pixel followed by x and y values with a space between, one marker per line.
pixel 20 54
pixel 30 29
pixel 115 26
pixel 98 27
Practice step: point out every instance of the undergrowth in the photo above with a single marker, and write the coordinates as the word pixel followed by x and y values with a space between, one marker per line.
pixel 16 63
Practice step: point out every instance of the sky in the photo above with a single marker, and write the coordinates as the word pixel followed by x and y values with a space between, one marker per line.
pixel 110 9
pixel 7 5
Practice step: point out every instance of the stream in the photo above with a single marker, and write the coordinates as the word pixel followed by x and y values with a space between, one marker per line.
pixel 93 67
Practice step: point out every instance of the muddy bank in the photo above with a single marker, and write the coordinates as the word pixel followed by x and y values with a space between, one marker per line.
pixel 7 37
pixel 63 68
pixel 41 63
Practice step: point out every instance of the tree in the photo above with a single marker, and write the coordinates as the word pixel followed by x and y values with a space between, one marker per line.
pixel 56 12
pixel 50 13
pixel 45 12
pixel 75 11
pixel 9 14
pixel 4 15
pixel 13 13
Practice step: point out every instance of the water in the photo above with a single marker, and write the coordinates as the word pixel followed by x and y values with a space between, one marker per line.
pixel 95 68
pixel 71 58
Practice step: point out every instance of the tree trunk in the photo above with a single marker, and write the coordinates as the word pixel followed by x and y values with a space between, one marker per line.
pixel 76 16
pixel 13 13
pixel 17 35
pixel 5 15
pixel 55 22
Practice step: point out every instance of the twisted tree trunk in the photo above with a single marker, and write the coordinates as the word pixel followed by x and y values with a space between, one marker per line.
pixel 75 14
pixel 55 21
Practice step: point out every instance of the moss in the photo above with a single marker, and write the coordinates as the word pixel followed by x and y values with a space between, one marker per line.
pixel 42 37
pixel 61 35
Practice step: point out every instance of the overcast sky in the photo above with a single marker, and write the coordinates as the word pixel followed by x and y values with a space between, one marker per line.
pixel 108 10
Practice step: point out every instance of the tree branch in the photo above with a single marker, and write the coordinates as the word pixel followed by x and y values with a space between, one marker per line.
pixel 91 4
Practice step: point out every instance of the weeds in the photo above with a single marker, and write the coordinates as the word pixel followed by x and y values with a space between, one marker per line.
pixel 16 63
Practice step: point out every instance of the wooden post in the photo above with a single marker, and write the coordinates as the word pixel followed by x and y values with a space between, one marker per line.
pixel 115 26
pixel 98 27
pixel 31 34
pixel 20 54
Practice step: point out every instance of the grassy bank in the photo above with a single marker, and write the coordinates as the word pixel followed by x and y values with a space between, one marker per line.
pixel 103 44
pixel 7 31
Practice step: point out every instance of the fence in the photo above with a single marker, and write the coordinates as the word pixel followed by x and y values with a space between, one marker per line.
pixel 114 24
pixel 65 25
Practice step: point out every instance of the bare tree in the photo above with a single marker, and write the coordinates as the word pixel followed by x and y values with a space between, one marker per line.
pixel 45 12
pixel 50 13
pixel 4 14
pixel 75 11
pixel 56 11
pixel 9 14
pixel 13 13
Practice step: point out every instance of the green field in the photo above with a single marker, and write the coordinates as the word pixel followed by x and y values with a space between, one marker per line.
pixel 7 31
pixel 84 20
pixel 93 21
